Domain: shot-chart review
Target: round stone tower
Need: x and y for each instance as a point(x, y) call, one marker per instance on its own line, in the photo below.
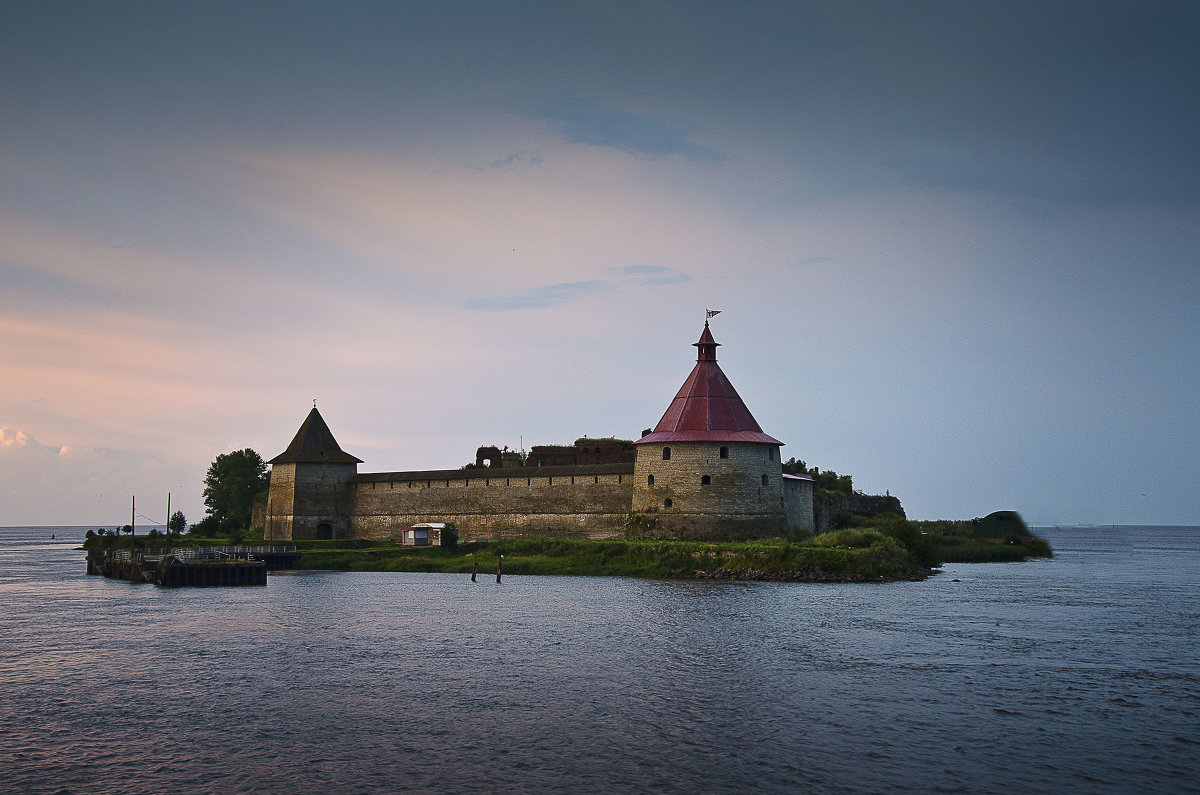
point(708, 471)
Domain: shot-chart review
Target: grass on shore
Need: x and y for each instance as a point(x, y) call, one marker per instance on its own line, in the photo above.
point(878, 548)
point(976, 541)
point(992, 550)
point(869, 557)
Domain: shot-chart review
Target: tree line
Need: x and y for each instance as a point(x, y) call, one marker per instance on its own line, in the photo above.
point(827, 481)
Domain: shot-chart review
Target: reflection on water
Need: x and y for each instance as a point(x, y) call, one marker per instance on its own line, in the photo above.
point(1077, 673)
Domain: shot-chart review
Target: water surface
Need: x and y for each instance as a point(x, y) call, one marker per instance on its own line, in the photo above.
point(1074, 674)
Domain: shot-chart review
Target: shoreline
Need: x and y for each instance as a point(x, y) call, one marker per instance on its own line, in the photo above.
point(897, 551)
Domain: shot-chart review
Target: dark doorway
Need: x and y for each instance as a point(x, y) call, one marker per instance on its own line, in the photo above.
point(324, 531)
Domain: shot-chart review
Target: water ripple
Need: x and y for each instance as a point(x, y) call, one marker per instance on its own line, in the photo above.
point(1036, 677)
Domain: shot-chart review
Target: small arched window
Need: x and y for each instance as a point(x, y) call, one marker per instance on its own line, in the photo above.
point(667, 502)
point(666, 454)
point(649, 480)
point(764, 480)
point(724, 452)
point(705, 480)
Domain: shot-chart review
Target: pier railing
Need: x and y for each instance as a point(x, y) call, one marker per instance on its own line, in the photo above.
point(199, 553)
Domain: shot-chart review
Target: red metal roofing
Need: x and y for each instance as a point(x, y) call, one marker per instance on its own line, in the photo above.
point(707, 408)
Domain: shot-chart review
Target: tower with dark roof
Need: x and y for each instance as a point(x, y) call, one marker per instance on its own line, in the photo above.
point(309, 495)
point(707, 470)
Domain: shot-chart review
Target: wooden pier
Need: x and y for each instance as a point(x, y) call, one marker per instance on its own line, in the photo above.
point(192, 566)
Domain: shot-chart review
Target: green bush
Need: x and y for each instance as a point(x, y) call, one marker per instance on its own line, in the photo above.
point(977, 541)
point(850, 538)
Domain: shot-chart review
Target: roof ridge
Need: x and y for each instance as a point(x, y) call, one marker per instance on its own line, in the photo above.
point(314, 442)
point(707, 407)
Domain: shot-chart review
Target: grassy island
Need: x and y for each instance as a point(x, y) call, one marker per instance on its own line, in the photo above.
point(877, 549)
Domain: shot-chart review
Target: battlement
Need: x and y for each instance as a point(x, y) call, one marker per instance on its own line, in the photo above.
point(585, 451)
point(706, 471)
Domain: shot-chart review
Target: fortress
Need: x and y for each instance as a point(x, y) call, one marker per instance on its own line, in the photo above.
point(706, 471)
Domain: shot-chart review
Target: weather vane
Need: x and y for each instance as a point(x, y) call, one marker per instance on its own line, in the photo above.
point(709, 313)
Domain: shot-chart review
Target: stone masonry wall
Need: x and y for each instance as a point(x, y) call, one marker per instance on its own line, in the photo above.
point(735, 502)
point(798, 498)
point(548, 502)
point(826, 507)
point(303, 496)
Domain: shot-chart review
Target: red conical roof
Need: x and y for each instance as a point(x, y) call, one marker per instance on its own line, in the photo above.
point(707, 407)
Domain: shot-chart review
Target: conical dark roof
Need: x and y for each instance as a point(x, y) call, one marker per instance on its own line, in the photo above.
point(707, 407)
point(314, 443)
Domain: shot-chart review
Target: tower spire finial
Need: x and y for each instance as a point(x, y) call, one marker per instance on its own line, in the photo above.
point(707, 346)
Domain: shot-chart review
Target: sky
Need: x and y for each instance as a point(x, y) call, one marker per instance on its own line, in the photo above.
point(955, 246)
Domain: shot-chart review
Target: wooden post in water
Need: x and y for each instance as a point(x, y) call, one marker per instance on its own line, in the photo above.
point(499, 566)
point(474, 571)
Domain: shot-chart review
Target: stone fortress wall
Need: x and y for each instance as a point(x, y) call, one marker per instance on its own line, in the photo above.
point(706, 471)
point(828, 507)
point(587, 501)
point(304, 498)
point(712, 490)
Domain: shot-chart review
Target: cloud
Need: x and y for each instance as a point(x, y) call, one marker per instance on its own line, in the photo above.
point(11, 438)
point(512, 161)
point(584, 121)
point(655, 274)
point(536, 298)
point(43, 484)
point(809, 261)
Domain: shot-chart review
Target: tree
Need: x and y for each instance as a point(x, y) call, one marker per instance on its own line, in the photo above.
point(827, 481)
point(229, 488)
point(177, 523)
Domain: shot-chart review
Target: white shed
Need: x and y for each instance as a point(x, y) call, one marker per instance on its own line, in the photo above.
point(429, 534)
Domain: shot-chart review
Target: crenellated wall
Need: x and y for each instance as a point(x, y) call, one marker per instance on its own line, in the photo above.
point(546, 502)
